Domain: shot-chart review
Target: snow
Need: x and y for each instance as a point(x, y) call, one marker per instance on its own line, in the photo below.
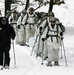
point(29, 65)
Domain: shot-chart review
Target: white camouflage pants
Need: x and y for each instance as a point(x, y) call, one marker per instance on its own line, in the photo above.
point(30, 32)
point(53, 54)
point(21, 36)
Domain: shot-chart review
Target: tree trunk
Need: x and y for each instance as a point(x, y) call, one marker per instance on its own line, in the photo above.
point(51, 5)
point(7, 6)
point(27, 4)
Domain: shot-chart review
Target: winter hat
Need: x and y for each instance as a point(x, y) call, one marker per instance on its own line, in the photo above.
point(31, 9)
point(3, 20)
point(51, 14)
point(52, 19)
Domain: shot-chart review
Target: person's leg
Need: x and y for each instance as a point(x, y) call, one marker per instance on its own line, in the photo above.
point(1, 58)
point(45, 52)
point(7, 55)
point(1, 55)
point(27, 34)
point(56, 57)
point(50, 55)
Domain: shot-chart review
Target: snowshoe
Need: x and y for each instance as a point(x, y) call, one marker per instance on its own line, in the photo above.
point(49, 64)
point(56, 63)
point(6, 67)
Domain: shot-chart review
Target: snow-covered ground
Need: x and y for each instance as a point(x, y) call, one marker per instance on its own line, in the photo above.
point(29, 65)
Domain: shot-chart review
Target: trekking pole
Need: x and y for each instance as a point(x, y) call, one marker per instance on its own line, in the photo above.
point(39, 41)
point(61, 49)
point(42, 53)
point(14, 54)
point(38, 46)
point(64, 53)
point(34, 45)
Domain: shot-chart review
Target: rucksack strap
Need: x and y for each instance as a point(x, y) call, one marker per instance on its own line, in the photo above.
point(51, 36)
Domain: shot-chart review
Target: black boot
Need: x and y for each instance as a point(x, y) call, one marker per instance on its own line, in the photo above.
point(56, 63)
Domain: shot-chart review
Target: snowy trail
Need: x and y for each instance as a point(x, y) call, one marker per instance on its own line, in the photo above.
point(29, 65)
point(23, 62)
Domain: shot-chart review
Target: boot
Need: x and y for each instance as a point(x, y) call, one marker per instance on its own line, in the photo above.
point(1, 67)
point(6, 66)
point(56, 63)
point(49, 64)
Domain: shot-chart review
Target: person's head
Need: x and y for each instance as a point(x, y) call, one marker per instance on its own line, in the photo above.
point(52, 20)
point(3, 20)
point(51, 14)
point(31, 10)
point(14, 13)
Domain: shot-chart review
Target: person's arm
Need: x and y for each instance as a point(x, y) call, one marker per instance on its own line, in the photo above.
point(12, 33)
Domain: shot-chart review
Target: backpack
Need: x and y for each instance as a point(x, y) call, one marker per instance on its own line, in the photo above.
point(62, 27)
point(36, 19)
point(47, 36)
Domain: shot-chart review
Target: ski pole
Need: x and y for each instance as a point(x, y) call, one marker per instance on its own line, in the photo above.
point(42, 53)
point(14, 55)
point(34, 45)
point(38, 46)
point(64, 53)
point(40, 32)
point(61, 48)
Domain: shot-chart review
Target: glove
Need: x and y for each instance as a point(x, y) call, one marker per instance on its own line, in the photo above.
point(61, 38)
point(43, 39)
point(18, 26)
point(61, 33)
point(40, 28)
point(11, 20)
point(26, 23)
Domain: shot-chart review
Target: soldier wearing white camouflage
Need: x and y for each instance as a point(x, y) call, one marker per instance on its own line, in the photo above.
point(13, 20)
point(30, 20)
point(21, 34)
point(52, 35)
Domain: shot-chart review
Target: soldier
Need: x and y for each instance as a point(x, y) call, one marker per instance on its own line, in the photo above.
point(43, 25)
point(21, 34)
point(30, 20)
point(52, 35)
point(6, 34)
point(13, 20)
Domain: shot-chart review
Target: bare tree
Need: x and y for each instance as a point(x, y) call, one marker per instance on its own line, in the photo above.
point(51, 5)
point(27, 4)
point(7, 5)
